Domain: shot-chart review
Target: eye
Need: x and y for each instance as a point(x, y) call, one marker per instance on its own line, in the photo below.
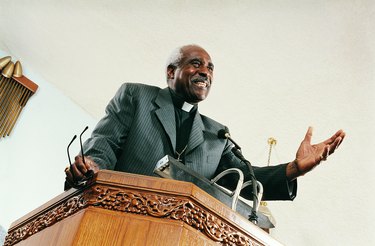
point(196, 63)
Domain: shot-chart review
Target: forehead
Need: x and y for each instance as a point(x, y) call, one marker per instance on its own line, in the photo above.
point(193, 52)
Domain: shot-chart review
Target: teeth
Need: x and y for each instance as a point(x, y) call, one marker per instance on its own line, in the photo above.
point(201, 84)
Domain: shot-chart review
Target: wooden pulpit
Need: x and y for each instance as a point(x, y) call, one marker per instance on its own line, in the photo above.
point(117, 208)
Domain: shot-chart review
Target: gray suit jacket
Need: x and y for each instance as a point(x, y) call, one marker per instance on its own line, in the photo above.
point(139, 128)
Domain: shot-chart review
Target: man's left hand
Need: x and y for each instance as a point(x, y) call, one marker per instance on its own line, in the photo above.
point(308, 156)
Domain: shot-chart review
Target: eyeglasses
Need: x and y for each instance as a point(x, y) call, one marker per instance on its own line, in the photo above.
point(90, 173)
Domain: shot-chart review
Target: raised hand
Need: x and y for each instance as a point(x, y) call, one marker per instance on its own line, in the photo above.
point(308, 156)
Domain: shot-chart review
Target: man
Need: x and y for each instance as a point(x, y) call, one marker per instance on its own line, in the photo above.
point(144, 123)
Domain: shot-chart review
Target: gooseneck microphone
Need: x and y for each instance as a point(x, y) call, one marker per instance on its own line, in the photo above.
point(224, 134)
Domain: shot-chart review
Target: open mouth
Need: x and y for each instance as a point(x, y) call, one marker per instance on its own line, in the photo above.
point(200, 83)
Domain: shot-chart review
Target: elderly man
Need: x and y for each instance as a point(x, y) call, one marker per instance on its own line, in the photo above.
point(144, 123)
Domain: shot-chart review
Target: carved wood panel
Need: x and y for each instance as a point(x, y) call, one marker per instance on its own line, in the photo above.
point(137, 202)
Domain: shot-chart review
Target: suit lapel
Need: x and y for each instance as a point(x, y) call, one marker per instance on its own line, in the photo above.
point(166, 115)
point(196, 134)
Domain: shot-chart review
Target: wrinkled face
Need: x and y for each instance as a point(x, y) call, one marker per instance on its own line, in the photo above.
point(192, 77)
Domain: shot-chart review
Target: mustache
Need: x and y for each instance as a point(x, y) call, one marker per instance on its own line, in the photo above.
point(200, 79)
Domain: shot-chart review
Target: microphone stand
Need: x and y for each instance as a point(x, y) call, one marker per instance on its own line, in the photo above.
point(237, 152)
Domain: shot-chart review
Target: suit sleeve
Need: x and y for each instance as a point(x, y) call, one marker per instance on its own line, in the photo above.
point(110, 133)
point(273, 178)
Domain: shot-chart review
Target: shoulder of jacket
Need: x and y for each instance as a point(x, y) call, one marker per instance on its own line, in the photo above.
point(212, 124)
point(131, 88)
point(130, 85)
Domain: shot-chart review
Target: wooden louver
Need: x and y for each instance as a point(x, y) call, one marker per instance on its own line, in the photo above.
point(15, 91)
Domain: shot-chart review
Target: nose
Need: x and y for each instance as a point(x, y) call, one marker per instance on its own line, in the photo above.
point(203, 71)
point(203, 74)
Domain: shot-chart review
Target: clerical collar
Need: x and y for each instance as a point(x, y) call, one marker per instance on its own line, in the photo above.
point(180, 103)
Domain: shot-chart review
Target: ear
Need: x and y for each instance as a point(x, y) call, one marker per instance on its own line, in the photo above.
point(170, 71)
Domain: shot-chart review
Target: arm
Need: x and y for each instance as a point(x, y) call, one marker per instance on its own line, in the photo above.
point(280, 181)
point(107, 139)
point(309, 156)
point(109, 135)
point(273, 178)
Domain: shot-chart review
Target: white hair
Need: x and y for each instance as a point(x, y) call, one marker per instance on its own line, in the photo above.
point(175, 57)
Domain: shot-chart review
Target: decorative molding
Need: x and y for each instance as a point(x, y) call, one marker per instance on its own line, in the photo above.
point(137, 202)
point(47, 219)
point(171, 207)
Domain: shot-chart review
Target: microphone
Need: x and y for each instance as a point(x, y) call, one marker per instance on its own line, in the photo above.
point(224, 134)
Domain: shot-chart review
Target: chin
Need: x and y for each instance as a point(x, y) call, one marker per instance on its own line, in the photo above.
point(199, 99)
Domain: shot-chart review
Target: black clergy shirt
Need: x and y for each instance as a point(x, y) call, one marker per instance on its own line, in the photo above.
point(184, 114)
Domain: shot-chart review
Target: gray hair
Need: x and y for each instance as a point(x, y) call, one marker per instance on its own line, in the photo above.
point(175, 57)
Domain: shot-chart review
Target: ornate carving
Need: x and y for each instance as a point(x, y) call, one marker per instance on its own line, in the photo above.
point(138, 202)
point(47, 219)
point(173, 208)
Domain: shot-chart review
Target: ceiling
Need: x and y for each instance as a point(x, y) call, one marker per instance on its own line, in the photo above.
point(88, 48)
point(279, 67)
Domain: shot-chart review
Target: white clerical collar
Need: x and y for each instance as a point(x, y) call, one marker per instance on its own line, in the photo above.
point(187, 107)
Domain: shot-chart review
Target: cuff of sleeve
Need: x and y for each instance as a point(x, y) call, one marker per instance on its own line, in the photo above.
point(292, 189)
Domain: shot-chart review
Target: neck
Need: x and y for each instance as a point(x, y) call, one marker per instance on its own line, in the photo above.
point(180, 101)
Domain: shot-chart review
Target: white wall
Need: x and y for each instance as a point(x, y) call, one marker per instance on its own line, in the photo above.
point(280, 66)
point(34, 156)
